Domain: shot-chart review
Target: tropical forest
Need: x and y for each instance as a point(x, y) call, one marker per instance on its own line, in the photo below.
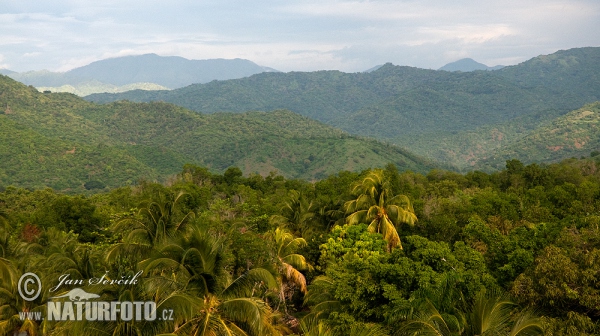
point(400, 201)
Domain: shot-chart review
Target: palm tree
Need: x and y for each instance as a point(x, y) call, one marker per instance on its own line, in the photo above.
point(235, 310)
point(321, 300)
point(193, 260)
point(490, 314)
point(193, 264)
point(375, 205)
point(425, 319)
point(311, 326)
point(65, 255)
point(156, 221)
point(297, 213)
point(290, 262)
point(11, 303)
point(178, 302)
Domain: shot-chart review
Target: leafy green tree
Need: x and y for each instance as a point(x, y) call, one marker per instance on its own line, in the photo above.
point(375, 206)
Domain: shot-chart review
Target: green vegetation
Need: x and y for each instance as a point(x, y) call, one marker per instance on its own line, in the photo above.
point(574, 134)
point(63, 142)
point(457, 118)
point(515, 252)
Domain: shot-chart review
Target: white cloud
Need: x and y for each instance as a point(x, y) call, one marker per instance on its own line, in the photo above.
point(331, 34)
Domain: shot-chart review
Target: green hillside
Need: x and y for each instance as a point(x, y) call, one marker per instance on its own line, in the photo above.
point(62, 141)
point(429, 112)
point(572, 135)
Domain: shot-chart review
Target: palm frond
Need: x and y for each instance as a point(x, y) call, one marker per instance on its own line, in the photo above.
point(528, 324)
point(490, 313)
point(249, 281)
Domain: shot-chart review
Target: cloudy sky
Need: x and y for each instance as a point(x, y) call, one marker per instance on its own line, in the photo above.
point(293, 35)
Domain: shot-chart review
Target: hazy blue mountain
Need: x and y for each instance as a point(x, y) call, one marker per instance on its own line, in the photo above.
point(6, 72)
point(468, 64)
point(171, 72)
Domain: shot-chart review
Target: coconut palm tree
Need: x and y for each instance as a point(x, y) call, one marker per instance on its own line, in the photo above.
point(236, 310)
point(320, 298)
point(491, 313)
point(297, 214)
point(155, 222)
point(312, 326)
point(11, 303)
point(193, 260)
point(376, 206)
point(290, 263)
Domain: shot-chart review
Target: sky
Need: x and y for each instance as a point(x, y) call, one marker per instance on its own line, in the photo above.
point(290, 35)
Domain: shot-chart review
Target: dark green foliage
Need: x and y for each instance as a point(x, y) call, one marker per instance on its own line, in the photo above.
point(94, 185)
point(73, 213)
point(528, 230)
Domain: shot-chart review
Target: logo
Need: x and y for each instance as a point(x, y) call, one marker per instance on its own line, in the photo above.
point(77, 294)
point(26, 285)
point(76, 304)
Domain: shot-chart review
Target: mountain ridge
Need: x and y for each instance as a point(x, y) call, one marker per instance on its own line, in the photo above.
point(167, 71)
point(61, 141)
point(403, 104)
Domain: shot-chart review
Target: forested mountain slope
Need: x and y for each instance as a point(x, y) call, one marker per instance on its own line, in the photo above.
point(62, 141)
point(572, 135)
point(408, 106)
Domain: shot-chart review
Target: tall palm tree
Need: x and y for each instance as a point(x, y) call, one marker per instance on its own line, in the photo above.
point(178, 302)
point(63, 254)
point(376, 206)
point(290, 263)
point(425, 319)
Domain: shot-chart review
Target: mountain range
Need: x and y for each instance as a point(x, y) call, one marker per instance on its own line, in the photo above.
point(458, 118)
point(148, 72)
point(61, 141)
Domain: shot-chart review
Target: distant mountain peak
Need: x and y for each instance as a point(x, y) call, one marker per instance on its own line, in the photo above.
point(6, 72)
point(468, 64)
point(165, 71)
